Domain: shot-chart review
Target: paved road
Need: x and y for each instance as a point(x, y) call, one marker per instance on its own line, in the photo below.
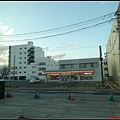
point(57, 105)
point(54, 85)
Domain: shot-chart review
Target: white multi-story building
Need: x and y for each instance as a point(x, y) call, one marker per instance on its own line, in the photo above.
point(27, 60)
point(46, 63)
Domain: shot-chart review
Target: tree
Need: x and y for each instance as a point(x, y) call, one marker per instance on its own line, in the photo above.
point(4, 71)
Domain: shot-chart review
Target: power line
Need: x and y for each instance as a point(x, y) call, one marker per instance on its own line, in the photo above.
point(62, 27)
point(70, 48)
point(63, 32)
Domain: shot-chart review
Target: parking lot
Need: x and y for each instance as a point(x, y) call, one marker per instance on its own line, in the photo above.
point(57, 105)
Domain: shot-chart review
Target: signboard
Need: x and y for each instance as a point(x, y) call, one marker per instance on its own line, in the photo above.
point(70, 72)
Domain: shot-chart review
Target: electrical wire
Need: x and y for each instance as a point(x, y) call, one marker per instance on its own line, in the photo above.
point(63, 32)
point(63, 26)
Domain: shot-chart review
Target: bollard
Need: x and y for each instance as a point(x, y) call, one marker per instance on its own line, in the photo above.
point(36, 95)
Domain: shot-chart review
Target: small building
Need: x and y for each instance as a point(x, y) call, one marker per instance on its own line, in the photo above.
point(88, 69)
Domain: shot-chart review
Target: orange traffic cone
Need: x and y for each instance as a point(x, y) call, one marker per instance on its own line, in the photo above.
point(106, 85)
point(72, 97)
point(112, 116)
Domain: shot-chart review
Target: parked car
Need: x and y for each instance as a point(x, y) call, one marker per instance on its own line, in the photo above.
point(34, 80)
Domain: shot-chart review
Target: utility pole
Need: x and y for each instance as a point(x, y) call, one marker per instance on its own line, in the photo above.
point(101, 59)
point(14, 68)
point(118, 15)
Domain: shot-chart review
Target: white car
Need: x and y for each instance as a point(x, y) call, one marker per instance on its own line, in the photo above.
point(34, 81)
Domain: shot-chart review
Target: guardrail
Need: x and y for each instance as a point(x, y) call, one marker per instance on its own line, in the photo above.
point(112, 85)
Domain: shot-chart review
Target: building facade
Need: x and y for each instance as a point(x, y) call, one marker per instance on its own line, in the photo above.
point(113, 49)
point(105, 70)
point(76, 70)
point(36, 69)
point(20, 57)
point(27, 60)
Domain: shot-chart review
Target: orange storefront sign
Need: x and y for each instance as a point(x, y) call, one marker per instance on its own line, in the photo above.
point(70, 72)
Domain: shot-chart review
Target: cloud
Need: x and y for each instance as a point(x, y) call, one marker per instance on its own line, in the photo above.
point(64, 46)
point(9, 32)
point(3, 61)
point(59, 56)
point(3, 54)
point(5, 30)
point(3, 47)
point(45, 48)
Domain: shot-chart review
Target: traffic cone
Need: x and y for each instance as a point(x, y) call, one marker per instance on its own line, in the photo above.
point(106, 85)
point(69, 96)
point(113, 116)
point(72, 97)
point(8, 94)
point(111, 97)
point(36, 95)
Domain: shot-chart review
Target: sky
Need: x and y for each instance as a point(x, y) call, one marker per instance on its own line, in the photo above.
point(63, 29)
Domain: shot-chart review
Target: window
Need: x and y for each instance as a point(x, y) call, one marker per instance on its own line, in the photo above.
point(73, 66)
point(15, 72)
point(42, 68)
point(25, 52)
point(95, 64)
point(105, 69)
point(42, 63)
point(20, 53)
point(20, 62)
point(106, 75)
point(24, 71)
point(92, 64)
point(39, 74)
point(62, 66)
point(19, 72)
point(25, 48)
point(105, 63)
point(86, 77)
point(24, 62)
point(24, 57)
point(82, 65)
point(20, 48)
point(24, 67)
point(20, 67)
point(20, 57)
